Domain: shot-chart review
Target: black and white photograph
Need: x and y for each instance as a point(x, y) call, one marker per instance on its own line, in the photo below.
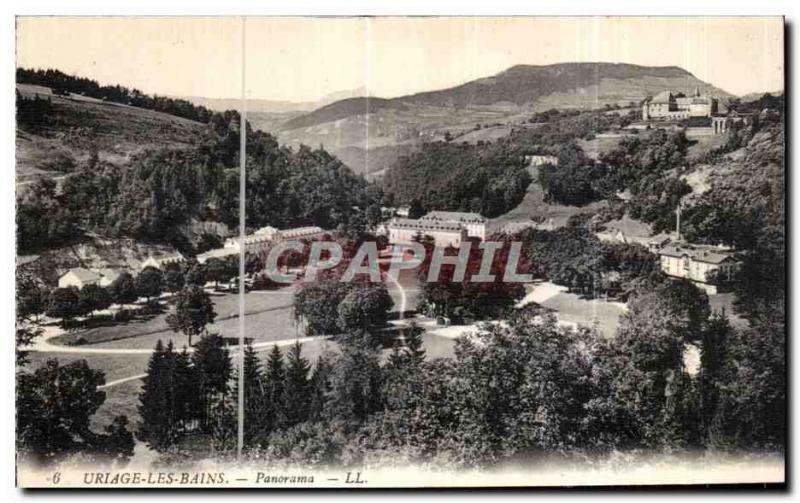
point(364, 252)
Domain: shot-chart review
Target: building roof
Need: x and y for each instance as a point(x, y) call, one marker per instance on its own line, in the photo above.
point(662, 97)
point(454, 216)
point(110, 274)
point(699, 253)
point(300, 232)
point(166, 256)
point(215, 253)
point(425, 225)
point(82, 274)
point(268, 229)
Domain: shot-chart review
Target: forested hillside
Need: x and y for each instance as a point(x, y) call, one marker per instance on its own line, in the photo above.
point(443, 176)
point(156, 196)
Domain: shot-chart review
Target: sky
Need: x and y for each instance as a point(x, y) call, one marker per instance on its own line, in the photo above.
point(305, 59)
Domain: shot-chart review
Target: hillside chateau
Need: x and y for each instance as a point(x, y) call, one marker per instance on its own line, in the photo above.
point(668, 106)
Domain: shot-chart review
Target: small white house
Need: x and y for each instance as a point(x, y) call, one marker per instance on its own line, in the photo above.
point(162, 261)
point(79, 277)
point(108, 276)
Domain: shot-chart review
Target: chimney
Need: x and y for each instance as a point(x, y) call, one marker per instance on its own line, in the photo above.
point(678, 223)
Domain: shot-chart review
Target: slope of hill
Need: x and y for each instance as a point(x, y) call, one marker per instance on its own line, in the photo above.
point(565, 84)
point(499, 103)
point(75, 126)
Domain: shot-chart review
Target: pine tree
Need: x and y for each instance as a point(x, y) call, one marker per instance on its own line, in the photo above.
point(296, 397)
point(254, 402)
point(274, 386)
point(158, 425)
point(186, 391)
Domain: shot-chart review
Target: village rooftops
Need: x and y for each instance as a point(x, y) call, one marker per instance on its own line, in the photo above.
point(426, 225)
point(454, 216)
point(700, 253)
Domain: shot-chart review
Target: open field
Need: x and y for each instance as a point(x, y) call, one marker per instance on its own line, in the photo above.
point(145, 332)
point(575, 309)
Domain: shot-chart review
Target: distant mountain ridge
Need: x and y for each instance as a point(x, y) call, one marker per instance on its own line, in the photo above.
point(571, 84)
point(274, 106)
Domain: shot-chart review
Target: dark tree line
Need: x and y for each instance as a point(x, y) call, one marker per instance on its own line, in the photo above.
point(63, 84)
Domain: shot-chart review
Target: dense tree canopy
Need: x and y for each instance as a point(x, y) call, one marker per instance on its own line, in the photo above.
point(54, 407)
point(460, 177)
point(157, 196)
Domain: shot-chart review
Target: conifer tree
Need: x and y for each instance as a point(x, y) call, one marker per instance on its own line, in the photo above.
point(158, 425)
point(274, 386)
point(254, 395)
point(296, 396)
point(396, 357)
point(186, 391)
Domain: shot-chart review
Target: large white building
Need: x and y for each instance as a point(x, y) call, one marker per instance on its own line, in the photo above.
point(161, 261)
point(262, 240)
point(698, 263)
point(447, 228)
point(79, 277)
point(668, 106)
